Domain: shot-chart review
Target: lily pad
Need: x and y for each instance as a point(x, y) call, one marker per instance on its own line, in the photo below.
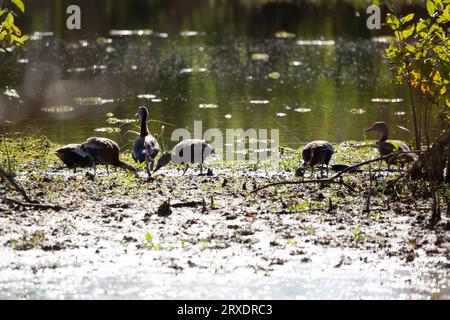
point(11, 93)
point(274, 75)
point(208, 106)
point(385, 100)
point(302, 110)
point(260, 57)
point(285, 35)
point(91, 101)
point(108, 130)
point(125, 33)
point(259, 102)
point(57, 109)
point(358, 111)
point(316, 42)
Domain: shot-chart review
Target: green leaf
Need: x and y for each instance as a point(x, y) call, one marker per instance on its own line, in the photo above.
point(430, 7)
point(408, 32)
point(408, 18)
point(19, 4)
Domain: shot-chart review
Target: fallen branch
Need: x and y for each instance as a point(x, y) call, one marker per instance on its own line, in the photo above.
point(332, 180)
point(32, 205)
point(15, 185)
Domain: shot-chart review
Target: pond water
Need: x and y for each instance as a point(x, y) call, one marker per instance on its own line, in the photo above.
point(313, 72)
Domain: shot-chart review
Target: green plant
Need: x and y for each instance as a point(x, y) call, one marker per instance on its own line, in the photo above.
point(151, 245)
point(358, 235)
point(10, 34)
point(420, 58)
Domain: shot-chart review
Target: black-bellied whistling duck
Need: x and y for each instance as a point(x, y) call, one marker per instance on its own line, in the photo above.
point(315, 153)
point(386, 147)
point(146, 147)
point(73, 157)
point(186, 152)
point(106, 152)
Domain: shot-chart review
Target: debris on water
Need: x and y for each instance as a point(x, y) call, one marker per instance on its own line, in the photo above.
point(22, 61)
point(39, 35)
point(281, 114)
point(193, 70)
point(383, 39)
point(302, 110)
point(400, 113)
point(384, 100)
point(259, 102)
point(146, 96)
point(76, 70)
point(285, 35)
point(358, 111)
point(126, 33)
point(316, 42)
point(274, 75)
point(92, 101)
point(296, 63)
point(110, 115)
point(11, 93)
point(228, 116)
point(110, 49)
point(156, 100)
point(104, 41)
point(57, 109)
point(208, 106)
point(108, 130)
point(190, 33)
point(112, 120)
point(260, 57)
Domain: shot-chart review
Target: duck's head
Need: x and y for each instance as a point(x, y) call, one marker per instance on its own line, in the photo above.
point(141, 112)
point(379, 126)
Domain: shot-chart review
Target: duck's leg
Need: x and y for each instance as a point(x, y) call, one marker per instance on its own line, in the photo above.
point(147, 166)
point(201, 169)
point(107, 169)
point(185, 169)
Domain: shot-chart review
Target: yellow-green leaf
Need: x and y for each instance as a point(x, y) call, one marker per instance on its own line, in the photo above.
point(19, 4)
point(430, 7)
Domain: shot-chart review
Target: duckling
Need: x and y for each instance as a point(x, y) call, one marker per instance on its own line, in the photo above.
point(146, 147)
point(186, 152)
point(106, 152)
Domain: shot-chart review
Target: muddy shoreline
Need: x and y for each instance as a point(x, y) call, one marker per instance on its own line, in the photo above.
point(116, 236)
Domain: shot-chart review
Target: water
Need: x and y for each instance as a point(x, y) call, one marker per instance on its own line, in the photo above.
point(324, 77)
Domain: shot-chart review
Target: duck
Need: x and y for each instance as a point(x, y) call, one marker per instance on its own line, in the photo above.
point(187, 152)
point(146, 147)
point(73, 157)
point(387, 147)
point(314, 154)
point(106, 152)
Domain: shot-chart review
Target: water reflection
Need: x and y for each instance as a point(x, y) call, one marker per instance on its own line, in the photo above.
point(314, 74)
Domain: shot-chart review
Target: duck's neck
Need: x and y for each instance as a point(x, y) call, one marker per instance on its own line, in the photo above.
point(144, 128)
point(385, 135)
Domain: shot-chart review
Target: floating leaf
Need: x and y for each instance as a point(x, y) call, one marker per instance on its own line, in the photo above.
point(92, 101)
point(358, 111)
point(190, 33)
point(274, 75)
point(259, 102)
point(284, 35)
point(57, 109)
point(302, 110)
point(384, 100)
point(208, 106)
point(316, 42)
point(260, 57)
point(108, 130)
point(125, 33)
point(11, 93)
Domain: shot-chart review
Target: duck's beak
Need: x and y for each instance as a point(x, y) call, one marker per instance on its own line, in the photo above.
point(369, 129)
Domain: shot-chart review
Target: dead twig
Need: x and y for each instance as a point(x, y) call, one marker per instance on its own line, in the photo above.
point(32, 205)
point(333, 179)
point(15, 185)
